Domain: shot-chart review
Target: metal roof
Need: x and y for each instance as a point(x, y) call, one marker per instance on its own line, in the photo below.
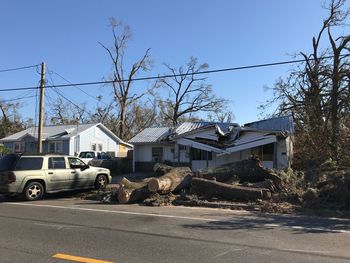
point(149, 135)
point(50, 132)
point(283, 123)
point(190, 126)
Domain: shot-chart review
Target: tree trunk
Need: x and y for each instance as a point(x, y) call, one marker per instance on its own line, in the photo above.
point(161, 169)
point(122, 121)
point(210, 188)
point(249, 170)
point(132, 192)
point(175, 180)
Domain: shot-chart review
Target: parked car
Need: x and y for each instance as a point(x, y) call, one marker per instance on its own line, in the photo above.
point(87, 156)
point(34, 175)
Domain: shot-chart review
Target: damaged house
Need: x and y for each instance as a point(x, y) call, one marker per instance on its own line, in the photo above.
point(209, 144)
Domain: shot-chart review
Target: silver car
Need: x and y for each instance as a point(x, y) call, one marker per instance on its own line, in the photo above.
point(35, 175)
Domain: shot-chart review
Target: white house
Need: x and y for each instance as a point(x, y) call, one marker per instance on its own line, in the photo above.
point(68, 139)
point(207, 144)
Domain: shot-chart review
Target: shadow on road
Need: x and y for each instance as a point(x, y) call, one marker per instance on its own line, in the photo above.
point(295, 224)
point(66, 194)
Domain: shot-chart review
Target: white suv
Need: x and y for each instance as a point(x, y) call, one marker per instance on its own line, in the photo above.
point(37, 174)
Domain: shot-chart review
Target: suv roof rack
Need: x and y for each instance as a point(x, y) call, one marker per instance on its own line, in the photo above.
point(40, 154)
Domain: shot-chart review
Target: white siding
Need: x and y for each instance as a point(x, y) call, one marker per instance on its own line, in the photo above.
point(71, 146)
point(98, 136)
point(233, 157)
point(143, 153)
point(284, 153)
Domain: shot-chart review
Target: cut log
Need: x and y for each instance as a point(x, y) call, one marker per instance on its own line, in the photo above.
point(249, 170)
point(209, 189)
point(161, 169)
point(132, 192)
point(175, 180)
point(267, 184)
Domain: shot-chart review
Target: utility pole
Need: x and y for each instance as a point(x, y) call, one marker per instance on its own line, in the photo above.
point(41, 108)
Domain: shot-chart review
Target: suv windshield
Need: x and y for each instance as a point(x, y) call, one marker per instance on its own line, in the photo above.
point(8, 162)
point(87, 155)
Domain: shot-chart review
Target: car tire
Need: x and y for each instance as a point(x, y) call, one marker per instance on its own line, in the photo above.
point(34, 191)
point(101, 182)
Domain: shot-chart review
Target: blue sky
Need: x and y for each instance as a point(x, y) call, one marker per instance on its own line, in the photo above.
point(65, 35)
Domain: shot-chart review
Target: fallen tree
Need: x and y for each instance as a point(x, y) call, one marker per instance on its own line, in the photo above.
point(250, 170)
point(211, 188)
point(132, 192)
point(173, 181)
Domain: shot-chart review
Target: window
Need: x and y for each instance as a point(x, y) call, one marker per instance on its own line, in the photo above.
point(198, 155)
point(93, 147)
point(87, 155)
point(264, 152)
point(157, 154)
point(56, 147)
point(29, 163)
point(100, 147)
point(8, 162)
point(105, 156)
point(57, 163)
point(19, 147)
point(182, 147)
point(75, 163)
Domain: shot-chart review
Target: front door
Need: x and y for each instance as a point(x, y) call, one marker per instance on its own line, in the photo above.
point(80, 176)
point(57, 174)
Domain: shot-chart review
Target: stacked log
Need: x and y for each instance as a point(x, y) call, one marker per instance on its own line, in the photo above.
point(245, 180)
point(176, 179)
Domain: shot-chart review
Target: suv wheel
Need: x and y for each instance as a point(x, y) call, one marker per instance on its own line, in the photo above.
point(34, 191)
point(101, 182)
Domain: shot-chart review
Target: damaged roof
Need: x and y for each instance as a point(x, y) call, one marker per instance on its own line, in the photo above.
point(152, 135)
point(190, 126)
point(283, 124)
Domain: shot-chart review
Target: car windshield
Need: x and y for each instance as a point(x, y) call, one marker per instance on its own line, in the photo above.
point(8, 162)
point(87, 155)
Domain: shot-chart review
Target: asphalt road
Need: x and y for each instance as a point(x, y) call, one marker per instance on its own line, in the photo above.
point(37, 231)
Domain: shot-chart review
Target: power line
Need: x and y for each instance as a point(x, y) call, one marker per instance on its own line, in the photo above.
point(19, 68)
point(63, 96)
point(173, 75)
point(20, 98)
point(91, 96)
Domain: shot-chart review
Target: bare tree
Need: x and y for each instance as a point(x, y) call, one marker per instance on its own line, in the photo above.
point(10, 121)
point(64, 112)
point(222, 115)
point(141, 115)
point(188, 94)
point(122, 78)
point(317, 92)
